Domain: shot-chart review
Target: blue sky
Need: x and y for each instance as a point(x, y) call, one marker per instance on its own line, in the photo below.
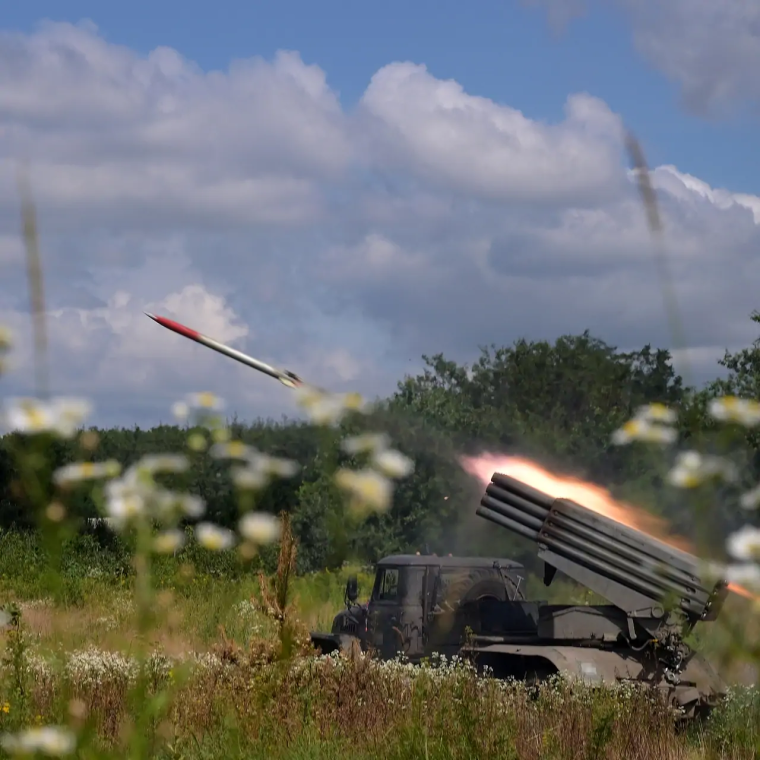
point(504, 50)
point(414, 178)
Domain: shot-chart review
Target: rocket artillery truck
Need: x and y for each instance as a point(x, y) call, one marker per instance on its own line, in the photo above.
point(474, 607)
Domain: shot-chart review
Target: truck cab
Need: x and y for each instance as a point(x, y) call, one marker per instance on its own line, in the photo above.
point(421, 604)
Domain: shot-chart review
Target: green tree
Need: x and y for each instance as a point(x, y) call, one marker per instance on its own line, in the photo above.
point(555, 402)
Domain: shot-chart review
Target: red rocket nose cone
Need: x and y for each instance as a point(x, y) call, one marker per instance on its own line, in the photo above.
point(177, 327)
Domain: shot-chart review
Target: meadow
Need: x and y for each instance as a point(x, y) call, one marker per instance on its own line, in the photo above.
point(215, 657)
point(187, 637)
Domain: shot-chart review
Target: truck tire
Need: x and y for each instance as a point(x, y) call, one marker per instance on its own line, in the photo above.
point(487, 588)
point(471, 584)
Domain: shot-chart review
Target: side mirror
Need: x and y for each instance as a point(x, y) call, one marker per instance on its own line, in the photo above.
point(352, 589)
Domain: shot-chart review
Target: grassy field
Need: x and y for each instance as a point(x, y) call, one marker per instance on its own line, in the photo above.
point(215, 647)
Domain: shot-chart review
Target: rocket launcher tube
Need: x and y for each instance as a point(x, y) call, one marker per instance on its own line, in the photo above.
point(569, 549)
point(500, 496)
point(628, 542)
point(621, 563)
point(624, 536)
point(575, 535)
point(506, 522)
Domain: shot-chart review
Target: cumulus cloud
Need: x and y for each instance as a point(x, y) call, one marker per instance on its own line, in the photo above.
point(340, 245)
point(118, 138)
point(475, 146)
point(487, 278)
point(709, 48)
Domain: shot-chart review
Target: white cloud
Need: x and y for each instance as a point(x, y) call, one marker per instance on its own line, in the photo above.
point(341, 246)
point(473, 145)
point(134, 369)
point(116, 134)
point(690, 189)
point(709, 48)
point(486, 279)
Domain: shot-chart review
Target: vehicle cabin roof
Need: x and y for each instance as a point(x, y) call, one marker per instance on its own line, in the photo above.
point(427, 560)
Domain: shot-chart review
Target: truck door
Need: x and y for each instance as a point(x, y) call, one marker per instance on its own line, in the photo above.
point(438, 617)
point(411, 620)
point(396, 612)
point(384, 613)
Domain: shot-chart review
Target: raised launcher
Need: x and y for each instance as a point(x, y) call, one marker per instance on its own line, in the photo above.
point(655, 590)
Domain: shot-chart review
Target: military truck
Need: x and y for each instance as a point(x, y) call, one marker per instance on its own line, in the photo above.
point(475, 608)
point(420, 604)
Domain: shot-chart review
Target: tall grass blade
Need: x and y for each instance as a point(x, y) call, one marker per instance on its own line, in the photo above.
point(36, 289)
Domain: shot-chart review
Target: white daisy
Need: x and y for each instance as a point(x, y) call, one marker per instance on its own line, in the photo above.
point(260, 528)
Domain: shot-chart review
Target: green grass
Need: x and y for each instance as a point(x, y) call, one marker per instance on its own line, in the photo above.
point(248, 703)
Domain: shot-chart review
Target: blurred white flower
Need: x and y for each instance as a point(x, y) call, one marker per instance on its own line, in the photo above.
point(192, 506)
point(275, 466)
point(155, 463)
point(53, 741)
point(205, 401)
point(6, 339)
point(733, 409)
point(168, 542)
point(173, 504)
point(28, 415)
point(745, 543)
point(61, 416)
point(219, 431)
point(325, 408)
point(692, 469)
point(180, 410)
point(744, 574)
point(658, 413)
point(750, 499)
point(70, 413)
point(367, 486)
point(260, 469)
point(213, 537)
point(354, 402)
point(125, 502)
point(322, 409)
point(232, 450)
point(249, 478)
point(196, 442)
point(393, 463)
point(260, 528)
point(365, 443)
point(681, 477)
point(644, 431)
point(80, 471)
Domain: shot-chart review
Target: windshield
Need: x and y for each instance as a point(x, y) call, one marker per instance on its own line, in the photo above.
point(386, 585)
point(403, 585)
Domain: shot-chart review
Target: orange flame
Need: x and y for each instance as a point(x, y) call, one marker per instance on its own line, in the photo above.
point(591, 496)
point(737, 589)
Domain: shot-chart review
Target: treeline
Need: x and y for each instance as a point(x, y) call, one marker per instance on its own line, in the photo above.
point(557, 403)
